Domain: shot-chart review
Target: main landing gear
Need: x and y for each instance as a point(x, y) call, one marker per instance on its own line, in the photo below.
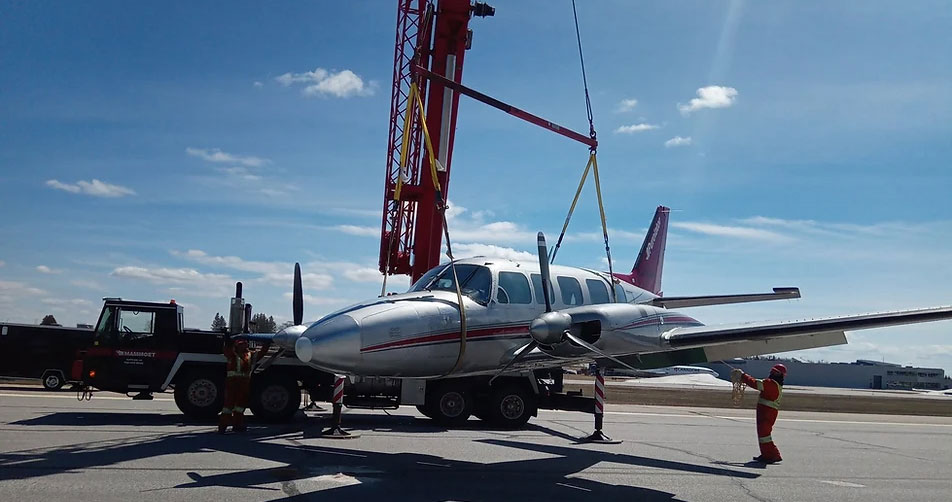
point(507, 404)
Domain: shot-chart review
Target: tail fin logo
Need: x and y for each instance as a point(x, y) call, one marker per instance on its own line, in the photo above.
point(651, 242)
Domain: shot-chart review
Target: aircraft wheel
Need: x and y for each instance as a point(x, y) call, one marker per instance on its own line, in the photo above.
point(200, 393)
point(53, 380)
point(275, 397)
point(451, 404)
point(511, 406)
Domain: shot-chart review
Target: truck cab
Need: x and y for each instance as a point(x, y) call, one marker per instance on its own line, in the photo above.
point(136, 344)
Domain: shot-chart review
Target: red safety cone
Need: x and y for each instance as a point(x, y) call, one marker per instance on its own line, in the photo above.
point(335, 431)
point(598, 436)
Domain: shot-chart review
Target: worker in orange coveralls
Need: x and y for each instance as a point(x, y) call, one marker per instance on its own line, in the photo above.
point(768, 406)
point(239, 361)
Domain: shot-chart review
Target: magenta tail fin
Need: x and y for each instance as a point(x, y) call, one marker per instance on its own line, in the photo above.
point(646, 274)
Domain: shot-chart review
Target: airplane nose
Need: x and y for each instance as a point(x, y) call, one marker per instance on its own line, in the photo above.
point(333, 345)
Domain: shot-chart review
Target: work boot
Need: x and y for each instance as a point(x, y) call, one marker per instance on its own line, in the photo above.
point(764, 460)
point(239, 423)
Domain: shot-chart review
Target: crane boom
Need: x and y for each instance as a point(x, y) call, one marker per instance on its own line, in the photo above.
point(435, 38)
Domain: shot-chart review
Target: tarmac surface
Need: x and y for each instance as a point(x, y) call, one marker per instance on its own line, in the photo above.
point(53, 447)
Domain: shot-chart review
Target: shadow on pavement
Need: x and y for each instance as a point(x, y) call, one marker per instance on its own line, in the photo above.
point(325, 468)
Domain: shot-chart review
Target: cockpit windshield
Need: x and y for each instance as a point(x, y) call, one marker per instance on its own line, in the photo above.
point(475, 281)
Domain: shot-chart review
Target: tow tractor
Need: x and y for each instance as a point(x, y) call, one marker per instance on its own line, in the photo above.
point(140, 348)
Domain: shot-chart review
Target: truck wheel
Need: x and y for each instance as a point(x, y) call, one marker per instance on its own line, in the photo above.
point(511, 406)
point(53, 380)
point(450, 404)
point(275, 398)
point(200, 394)
point(426, 411)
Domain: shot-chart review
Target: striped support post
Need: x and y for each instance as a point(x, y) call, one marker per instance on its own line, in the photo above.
point(335, 431)
point(598, 436)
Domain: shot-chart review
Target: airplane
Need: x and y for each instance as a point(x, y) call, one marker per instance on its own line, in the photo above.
point(513, 323)
point(489, 346)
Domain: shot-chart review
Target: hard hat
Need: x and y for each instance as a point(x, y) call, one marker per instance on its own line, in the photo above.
point(779, 368)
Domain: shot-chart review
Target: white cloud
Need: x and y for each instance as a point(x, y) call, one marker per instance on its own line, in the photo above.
point(464, 250)
point(712, 96)
point(258, 84)
point(321, 82)
point(217, 156)
point(94, 187)
point(363, 231)
point(363, 274)
point(234, 262)
point(320, 300)
point(47, 270)
point(239, 172)
point(2, 263)
point(18, 288)
point(165, 275)
point(677, 141)
point(626, 105)
point(93, 285)
point(731, 231)
point(75, 302)
point(631, 129)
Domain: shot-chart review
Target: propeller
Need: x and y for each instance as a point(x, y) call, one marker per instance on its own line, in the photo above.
point(550, 328)
point(297, 302)
point(297, 308)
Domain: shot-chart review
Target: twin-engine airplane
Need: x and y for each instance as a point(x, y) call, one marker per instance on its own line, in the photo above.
point(525, 315)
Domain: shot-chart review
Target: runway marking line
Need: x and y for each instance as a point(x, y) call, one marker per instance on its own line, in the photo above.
point(845, 484)
point(575, 487)
point(729, 417)
point(110, 398)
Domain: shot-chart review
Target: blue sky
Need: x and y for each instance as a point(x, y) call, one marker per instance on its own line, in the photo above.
point(166, 150)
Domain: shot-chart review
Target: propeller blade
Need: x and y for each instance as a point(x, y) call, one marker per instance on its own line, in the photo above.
point(591, 347)
point(544, 269)
point(268, 360)
point(298, 299)
point(525, 349)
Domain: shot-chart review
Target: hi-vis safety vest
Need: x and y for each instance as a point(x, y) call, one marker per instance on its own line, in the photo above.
point(239, 366)
point(761, 385)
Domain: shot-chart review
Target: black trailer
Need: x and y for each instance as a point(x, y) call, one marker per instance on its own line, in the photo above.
point(44, 352)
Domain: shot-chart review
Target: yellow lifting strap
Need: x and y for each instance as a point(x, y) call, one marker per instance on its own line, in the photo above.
point(593, 166)
point(414, 98)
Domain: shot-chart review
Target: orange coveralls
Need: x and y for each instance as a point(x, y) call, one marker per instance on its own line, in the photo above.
point(237, 385)
point(768, 406)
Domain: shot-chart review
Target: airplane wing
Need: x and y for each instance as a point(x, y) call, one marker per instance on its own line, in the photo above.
point(673, 302)
point(700, 336)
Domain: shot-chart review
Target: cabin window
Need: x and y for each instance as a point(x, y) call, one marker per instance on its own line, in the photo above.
point(513, 288)
point(537, 287)
point(597, 291)
point(571, 290)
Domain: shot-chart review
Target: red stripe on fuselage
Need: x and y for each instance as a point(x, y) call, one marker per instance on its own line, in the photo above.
point(450, 336)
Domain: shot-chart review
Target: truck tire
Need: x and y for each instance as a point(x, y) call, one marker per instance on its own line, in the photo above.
point(450, 403)
point(53, 379)
point(200, 393)
point(275, 397)
point(510, 406)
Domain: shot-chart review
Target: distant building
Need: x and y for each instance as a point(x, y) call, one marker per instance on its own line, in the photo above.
point(861, 374)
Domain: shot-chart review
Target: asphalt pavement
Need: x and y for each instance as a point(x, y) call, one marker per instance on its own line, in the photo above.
point(53, 447)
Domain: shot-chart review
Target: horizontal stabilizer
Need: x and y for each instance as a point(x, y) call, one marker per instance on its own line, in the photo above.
point(674, 302)
point(701, 336)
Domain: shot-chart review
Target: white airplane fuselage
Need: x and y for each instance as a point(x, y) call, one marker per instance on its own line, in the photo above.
point(417, 334)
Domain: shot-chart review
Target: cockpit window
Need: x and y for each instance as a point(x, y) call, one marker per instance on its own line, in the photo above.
point(475, 281)
point(424, 281)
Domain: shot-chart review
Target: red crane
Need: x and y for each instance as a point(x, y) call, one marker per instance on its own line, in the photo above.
point(411, 232)
point(430, 57)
